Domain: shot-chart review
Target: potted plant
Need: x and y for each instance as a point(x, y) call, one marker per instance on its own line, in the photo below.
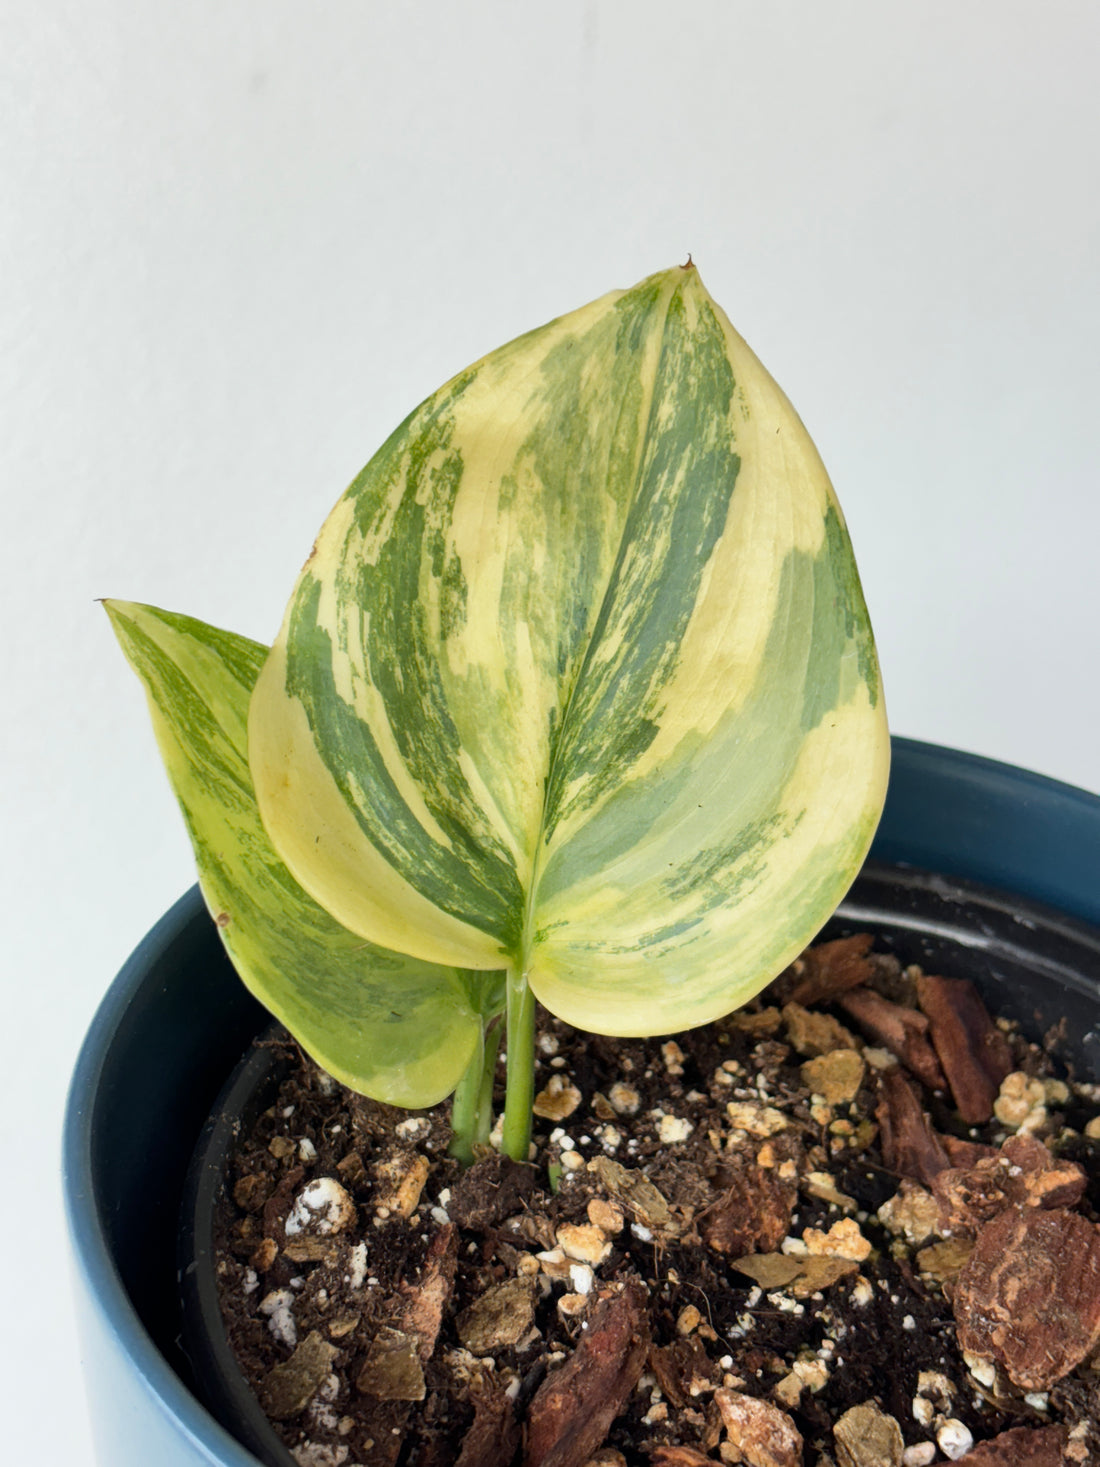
point(575, 700)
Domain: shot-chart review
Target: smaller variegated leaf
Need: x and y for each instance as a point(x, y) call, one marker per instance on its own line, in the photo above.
point(393, 1027)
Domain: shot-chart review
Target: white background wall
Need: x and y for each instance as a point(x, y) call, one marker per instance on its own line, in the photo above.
point(239, 239)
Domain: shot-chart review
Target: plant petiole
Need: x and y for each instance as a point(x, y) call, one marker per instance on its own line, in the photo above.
point(472, 1107)
point(520, 1091)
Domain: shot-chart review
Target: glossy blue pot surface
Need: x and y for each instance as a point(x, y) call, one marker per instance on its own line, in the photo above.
point(177, 1019)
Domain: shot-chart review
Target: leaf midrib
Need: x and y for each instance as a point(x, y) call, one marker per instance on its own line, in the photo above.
point(528, 934)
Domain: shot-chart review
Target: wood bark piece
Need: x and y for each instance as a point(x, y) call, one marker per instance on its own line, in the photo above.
point(966, 1153)
point(753, 1215)
point(1022, 1173)
point(574, 1407)
point(763, 1434)
point(1023, 1446)
point(423, 1303)
point(401, 1175)
point(278, 1205)
point(680, 1457)
point(682, 1365)
point(1029, 1296)
point(910, 1147)
point(493, 1437)
point(972, 1051)
point(393, 1373)
point(833, 967)
point(902, 1031)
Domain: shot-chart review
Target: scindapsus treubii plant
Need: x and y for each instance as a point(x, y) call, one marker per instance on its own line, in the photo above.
point(575, 700)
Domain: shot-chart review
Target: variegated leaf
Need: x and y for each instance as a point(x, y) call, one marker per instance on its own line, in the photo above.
point(389, 1025)
point(579, 675)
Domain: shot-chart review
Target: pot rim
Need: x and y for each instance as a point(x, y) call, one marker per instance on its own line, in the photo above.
point(93, 1255)
point(995, 847)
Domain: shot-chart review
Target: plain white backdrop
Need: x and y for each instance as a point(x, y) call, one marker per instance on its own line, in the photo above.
point(240, 239)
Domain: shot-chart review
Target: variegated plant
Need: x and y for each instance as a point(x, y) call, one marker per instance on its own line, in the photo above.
point(575, 700)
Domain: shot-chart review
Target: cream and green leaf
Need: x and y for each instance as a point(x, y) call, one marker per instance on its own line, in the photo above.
point(387, 1024)
point(578, 683)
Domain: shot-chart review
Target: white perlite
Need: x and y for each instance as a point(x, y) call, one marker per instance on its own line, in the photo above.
point(624, 1098)
point(581, 1277)
point(984, 1371)
point(583, 1243)
point(413, 1129)
point(322, 1207)
point(922, 1454)
point(954, 1439)
point(279, 1308)
point(674, 1129)
point(358, 1266)
point(318, 1454)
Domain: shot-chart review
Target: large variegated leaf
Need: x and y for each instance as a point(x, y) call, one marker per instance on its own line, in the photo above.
point(387, 1024)
point(579, 675)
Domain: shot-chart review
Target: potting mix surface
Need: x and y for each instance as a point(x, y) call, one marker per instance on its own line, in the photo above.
point(852, 1225)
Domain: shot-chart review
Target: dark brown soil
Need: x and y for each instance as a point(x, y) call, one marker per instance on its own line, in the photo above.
point(756, 1242)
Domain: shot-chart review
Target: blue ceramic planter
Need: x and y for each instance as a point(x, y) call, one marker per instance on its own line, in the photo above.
point(177, 1019)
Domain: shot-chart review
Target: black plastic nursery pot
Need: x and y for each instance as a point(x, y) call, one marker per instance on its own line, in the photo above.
point(979, 870)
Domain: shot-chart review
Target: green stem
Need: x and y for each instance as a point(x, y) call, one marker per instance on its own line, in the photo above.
point(472, 1107)
point(494, 1033)
point(520, 1092)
